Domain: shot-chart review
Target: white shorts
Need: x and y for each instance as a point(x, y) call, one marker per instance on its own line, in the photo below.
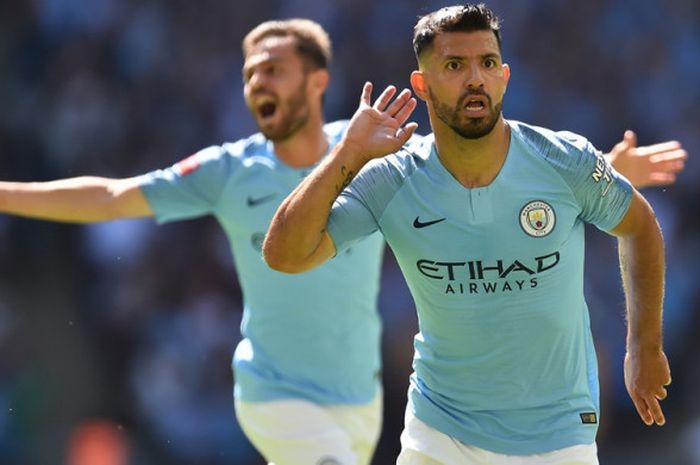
point(299, 432)
point(423, 445)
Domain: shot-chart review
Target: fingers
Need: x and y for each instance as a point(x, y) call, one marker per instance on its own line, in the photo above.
point(649, 411)
point(630, 138)
point(657, 414)
point(642, 410)
point(405, 133)
point(668, 146)
point(669, 167)
point(385, 98)
point(649, 408)
point(366, 96)
point(673, 161)
point(398, 104)
point(405, 111)
point(400, 109)
point(646, 378)
point(662, 394)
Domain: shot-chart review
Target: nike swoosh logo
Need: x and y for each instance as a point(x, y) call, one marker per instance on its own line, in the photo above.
point(254, 202)
point(417, 223)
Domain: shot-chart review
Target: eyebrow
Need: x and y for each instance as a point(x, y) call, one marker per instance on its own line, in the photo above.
point(263, 61)
point(462, 57)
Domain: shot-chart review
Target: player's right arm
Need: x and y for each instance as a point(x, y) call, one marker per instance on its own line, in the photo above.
point(642, 264)
point(297, 240)
point(85, 199)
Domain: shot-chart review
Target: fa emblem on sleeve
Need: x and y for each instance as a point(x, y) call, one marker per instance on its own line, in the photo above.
point(537, 218)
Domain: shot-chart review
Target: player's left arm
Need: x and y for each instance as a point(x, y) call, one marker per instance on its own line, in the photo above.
point(642, 264)
point(647, 166)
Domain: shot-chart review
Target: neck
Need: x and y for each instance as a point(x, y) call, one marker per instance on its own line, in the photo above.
point(472, 162)
point(306, 147)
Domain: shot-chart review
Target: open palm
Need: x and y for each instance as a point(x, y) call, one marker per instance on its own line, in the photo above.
point(648, 166)
point(380, 129)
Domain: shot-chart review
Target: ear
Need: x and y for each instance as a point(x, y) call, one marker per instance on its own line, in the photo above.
point(420, 88)
point(318, 80)
point(506, 73)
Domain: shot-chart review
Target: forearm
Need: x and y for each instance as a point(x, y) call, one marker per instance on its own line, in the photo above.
point(642, 264)
point(74, 200)
point(299, 226)
point(297, 239)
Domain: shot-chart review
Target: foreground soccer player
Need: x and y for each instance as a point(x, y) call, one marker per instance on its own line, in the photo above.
point(309, 352)
point(486, 219)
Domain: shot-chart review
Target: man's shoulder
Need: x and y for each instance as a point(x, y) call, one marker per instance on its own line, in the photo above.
point(250, 152)
point(255, 144)
point(569, 154)
point(336, 129)
point(405, 162)
point(549, 141)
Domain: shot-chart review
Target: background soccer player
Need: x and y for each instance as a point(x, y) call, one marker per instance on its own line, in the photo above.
point(307, 384)
point(486, 220)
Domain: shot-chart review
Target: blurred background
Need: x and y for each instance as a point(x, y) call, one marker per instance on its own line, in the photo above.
point(116, 339)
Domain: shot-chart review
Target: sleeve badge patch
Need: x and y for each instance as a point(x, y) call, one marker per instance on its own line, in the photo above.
point(188, 165)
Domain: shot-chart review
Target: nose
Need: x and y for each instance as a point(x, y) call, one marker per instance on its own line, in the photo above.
point(256, 81)
point(474, 77)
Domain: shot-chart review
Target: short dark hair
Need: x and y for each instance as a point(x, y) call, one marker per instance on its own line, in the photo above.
point(458, 18)
point(313, 42)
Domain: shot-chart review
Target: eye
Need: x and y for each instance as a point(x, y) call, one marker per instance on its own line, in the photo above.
point(453, 65)
point(490, 63)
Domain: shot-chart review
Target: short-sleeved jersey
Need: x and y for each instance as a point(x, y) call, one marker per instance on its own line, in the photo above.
point(504, 358)
point(314, 336)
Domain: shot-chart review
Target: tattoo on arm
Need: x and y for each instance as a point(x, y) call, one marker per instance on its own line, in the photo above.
point(347, 178)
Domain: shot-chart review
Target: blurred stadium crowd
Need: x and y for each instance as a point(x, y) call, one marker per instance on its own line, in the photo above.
point(116, 339)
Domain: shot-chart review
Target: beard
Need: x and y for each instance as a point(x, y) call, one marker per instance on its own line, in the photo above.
point(294, 115)
point(468, 128)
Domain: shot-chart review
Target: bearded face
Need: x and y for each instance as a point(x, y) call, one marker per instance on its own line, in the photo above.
point(280, 117)
point(472, 117)
point(464, 80)
point(275, 89)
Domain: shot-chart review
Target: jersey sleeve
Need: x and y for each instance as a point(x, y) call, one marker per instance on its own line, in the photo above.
point(603, 194)
point(357, 211)
point(191, 188)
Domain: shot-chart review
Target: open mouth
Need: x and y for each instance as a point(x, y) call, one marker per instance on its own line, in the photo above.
point(266, 107)
point(476, 104)
point(267, 110)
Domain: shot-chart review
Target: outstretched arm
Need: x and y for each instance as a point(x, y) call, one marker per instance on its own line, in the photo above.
point(649, 166)
point(641, 251)
point(297, 239)
point(75, 200)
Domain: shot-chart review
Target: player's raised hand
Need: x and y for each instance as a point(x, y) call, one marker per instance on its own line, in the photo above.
point(648, 166)
point(380, 128)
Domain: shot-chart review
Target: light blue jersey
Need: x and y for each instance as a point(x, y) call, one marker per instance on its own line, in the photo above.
point(314, 336)
point(504, 359)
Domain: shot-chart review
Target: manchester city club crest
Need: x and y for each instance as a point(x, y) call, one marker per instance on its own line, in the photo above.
point(537, 218)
